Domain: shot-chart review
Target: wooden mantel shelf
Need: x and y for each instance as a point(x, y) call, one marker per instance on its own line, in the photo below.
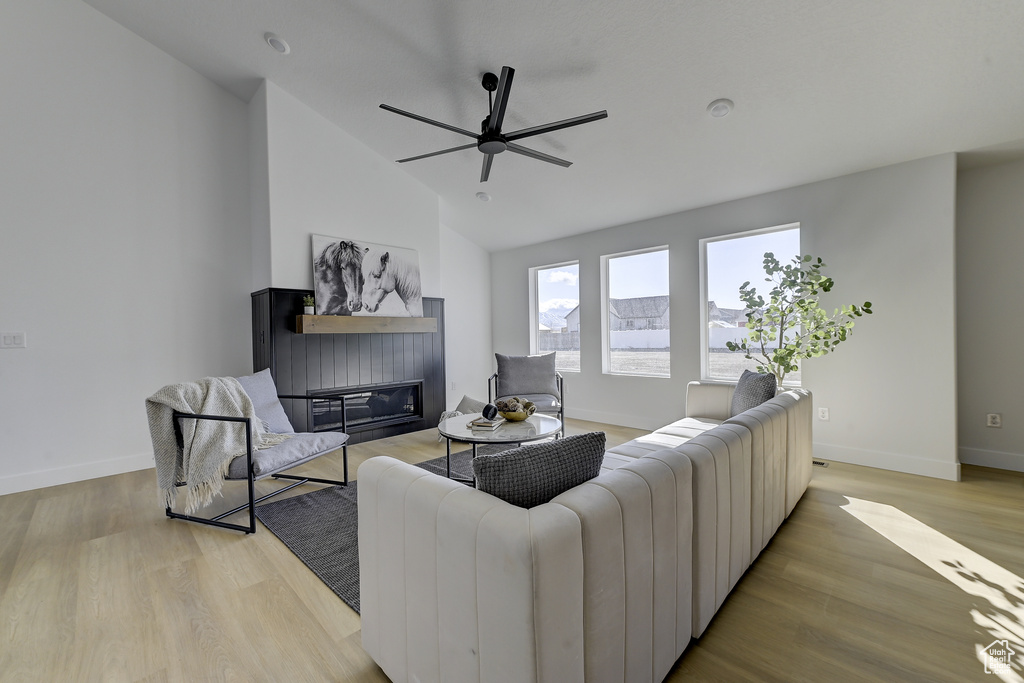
point(346, 324)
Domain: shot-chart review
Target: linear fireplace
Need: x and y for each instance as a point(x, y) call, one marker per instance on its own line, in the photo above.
point(367, 407)
point(307, 364)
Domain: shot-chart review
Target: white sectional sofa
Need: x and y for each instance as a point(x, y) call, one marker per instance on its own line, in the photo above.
point(606, 582)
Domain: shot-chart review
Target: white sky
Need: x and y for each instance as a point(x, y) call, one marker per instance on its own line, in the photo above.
point(558, 287)
point(638, 275)
point(733, 262)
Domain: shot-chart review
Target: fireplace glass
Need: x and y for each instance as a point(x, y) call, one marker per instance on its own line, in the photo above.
point(368, 407)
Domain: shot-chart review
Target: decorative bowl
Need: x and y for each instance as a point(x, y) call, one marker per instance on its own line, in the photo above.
point(515, 417)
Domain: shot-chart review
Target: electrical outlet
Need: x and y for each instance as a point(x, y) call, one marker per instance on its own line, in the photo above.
point(12, 340)
point(823, 414)
point(994, 420)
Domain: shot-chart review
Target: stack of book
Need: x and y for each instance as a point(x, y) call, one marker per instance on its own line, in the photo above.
point(483, 424)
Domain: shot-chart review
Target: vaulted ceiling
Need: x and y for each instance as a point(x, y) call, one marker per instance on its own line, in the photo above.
point(821, 89)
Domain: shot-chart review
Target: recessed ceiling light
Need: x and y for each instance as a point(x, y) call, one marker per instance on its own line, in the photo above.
point(277, 43)
point(483, 196)
point(720, 108)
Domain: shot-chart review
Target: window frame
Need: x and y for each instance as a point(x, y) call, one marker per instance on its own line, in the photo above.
point(705, 361)
point(605, 317)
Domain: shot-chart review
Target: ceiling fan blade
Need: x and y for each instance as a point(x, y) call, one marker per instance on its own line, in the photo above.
point(557, 125)
point(534, 154)
point(500, 99)
point(485, 172)
point(424, 119)
point(434, 154)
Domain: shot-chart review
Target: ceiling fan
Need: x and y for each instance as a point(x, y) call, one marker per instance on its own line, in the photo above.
point(491, 140)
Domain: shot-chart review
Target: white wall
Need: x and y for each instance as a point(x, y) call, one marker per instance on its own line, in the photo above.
point(887, 236)
point(466, 283)
point(259, 189)
point(124, 239)
point(990, 280)
point(323, 181)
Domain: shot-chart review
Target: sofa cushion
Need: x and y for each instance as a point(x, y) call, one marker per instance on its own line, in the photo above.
point(263, 393)
point(293, 451)
point(752, 389)
point(534, 474)
point(519, 375)
point(669, 436)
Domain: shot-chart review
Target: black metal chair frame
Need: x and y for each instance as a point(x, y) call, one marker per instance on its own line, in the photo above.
point(251, 478)
point(492, 394)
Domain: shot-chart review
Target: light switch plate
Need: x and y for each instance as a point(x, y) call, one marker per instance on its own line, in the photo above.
point(12, 340)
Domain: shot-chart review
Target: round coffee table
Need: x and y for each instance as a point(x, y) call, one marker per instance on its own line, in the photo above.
point(533, 428)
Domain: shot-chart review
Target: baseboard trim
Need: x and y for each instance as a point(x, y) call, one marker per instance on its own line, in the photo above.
point(998, 459)
point(80, 472)
point(618, 419)
point(897, 462)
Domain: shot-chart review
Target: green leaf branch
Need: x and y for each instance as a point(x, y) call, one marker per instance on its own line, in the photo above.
point(791, 325)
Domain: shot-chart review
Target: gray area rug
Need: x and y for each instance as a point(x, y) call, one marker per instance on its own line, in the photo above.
point(320, 527)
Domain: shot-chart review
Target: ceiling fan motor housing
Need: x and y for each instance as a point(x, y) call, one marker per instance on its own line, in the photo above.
point(490, 143)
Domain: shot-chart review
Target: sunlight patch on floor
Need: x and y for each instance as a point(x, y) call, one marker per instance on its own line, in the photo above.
point(1002, 619)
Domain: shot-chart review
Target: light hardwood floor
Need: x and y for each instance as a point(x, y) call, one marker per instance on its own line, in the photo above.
point(97, 585)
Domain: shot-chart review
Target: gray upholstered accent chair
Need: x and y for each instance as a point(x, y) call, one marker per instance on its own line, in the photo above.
point(533, 378)
point(298, 449)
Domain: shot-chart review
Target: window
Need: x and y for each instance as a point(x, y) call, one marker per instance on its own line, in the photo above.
point(726, 263)
point(635, 318)
point(555, 313)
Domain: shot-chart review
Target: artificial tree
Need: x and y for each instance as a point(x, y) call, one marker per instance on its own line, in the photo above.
point(791, 325)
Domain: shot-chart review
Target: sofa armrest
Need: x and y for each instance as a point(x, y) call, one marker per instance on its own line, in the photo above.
point(709, 399)
point(484, 585)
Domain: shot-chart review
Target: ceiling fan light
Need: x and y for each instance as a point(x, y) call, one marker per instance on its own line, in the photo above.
point(277, 43)
point(720, 108)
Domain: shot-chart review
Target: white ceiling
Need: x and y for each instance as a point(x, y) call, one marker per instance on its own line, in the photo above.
point(822, 88)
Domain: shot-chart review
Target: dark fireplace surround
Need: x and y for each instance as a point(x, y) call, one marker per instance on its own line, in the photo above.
point(386, 383)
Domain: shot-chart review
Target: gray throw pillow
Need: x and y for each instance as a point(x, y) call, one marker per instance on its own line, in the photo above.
point(752, 389)
point(534, 474)
point(526, 375)
point(263, 393)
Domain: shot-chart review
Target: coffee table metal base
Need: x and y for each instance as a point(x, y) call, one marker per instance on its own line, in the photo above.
point(457, 428)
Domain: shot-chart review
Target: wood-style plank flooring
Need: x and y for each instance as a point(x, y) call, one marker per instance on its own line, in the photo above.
point(97, 585)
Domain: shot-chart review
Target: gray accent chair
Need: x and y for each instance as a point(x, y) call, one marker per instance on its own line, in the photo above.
point(533, 378)
point(255, 465)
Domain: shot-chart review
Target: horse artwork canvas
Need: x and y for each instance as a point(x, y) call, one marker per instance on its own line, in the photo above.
point(353, 277)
